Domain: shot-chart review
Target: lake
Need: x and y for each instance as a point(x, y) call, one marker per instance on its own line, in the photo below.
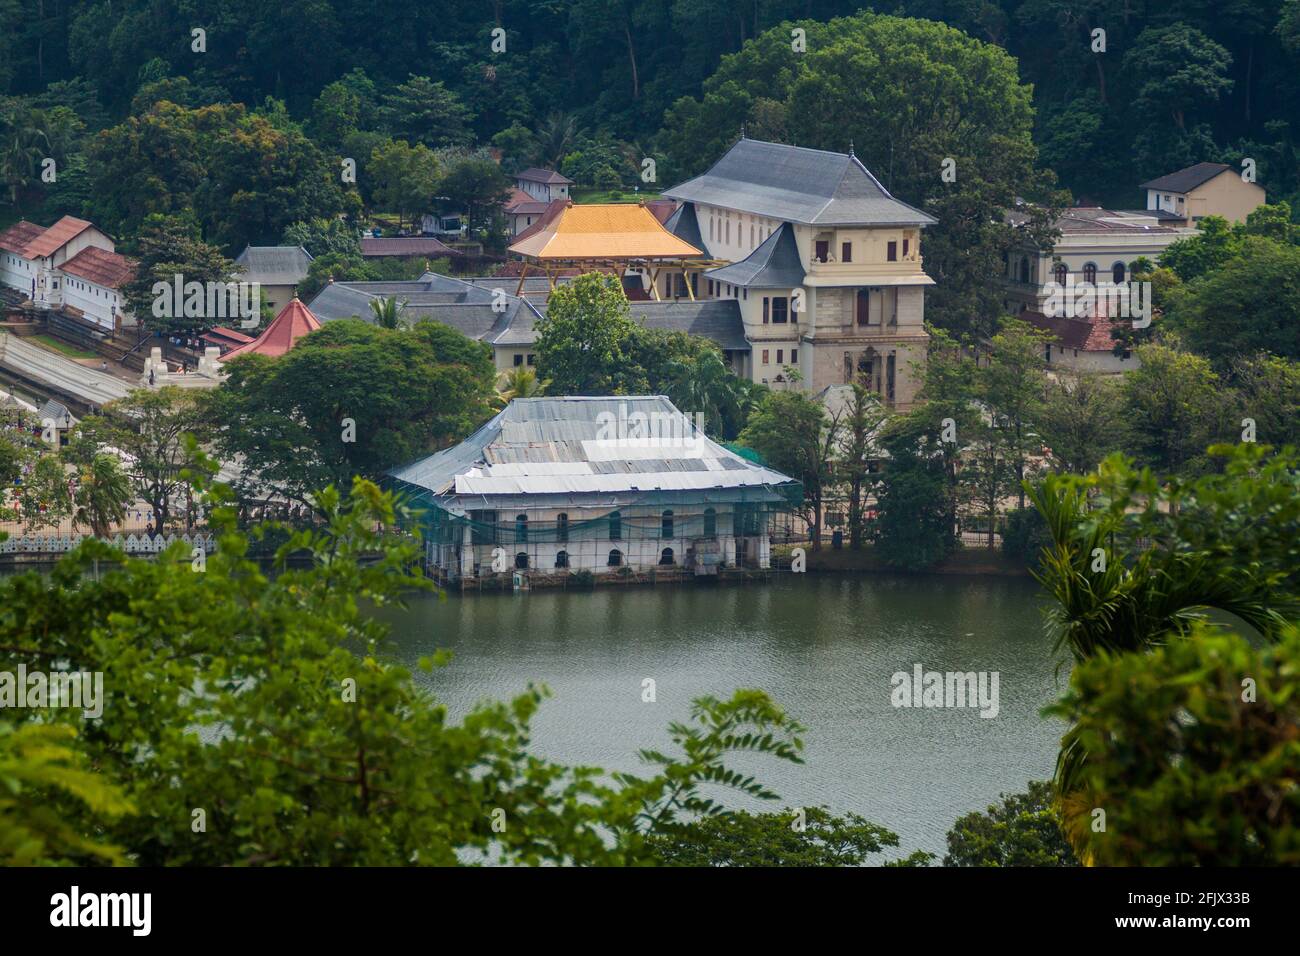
point(824, 646)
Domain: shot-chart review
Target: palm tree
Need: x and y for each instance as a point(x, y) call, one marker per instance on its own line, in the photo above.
point(388, 312)
point(519, 382)
point(24, 144)
point(102, 496)
point(1105, 604)
point(555, 138)
point(705, 386)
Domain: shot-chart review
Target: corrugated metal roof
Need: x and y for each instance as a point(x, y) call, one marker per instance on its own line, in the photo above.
point(274, 265)
point(591, 446)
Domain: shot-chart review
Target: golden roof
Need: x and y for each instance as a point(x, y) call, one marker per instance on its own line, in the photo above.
point(604, 231)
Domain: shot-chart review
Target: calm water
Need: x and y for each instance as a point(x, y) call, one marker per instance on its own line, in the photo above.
point(824, 647)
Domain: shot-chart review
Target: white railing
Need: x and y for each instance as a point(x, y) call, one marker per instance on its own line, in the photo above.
point(129, 544)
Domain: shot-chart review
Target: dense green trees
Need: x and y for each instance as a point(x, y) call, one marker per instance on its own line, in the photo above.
point(916, 99)
point(350, 399)
point(254, 719)
point(1023, 830)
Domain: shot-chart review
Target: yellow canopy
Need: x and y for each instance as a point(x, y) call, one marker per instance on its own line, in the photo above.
point(603, 231)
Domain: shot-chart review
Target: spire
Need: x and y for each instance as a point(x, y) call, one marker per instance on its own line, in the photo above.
point(850, 147)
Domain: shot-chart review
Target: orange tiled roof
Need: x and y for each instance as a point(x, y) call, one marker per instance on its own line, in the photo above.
point(602, 231)
point(294, 321)
point(56, 237)
point(104, 268)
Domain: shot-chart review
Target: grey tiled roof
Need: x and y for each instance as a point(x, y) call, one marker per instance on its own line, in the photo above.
point(775, 264)
point(535, 175)
point(715, 319)
point(1186, 179)
point(274, 265)
point(464, 306)
point(808, 186)
point(685, 225)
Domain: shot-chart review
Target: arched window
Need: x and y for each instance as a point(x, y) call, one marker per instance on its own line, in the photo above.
point(615, 558)
point(521, 529)
point(666, 556)
point(1090, 273)
point(562, 528)
point(666, 525)
point(710, 523)
point(1117, 273)
point(521, 561)
point(561, 559)
point(615, 526)
point(1024, 269)
point(1060, 271)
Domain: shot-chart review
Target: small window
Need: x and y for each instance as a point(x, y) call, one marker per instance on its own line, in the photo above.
point(1060, 271)
point(794, 356)
point(1090, 273)
point(823, 250)
point(519, 359)
point(710, 523)
point(615, 526)
point(1117, 272)
point(521, 561)
point(780, 309)
point(532, 359)
point(666, 525)
point(767, 309)
point(780, 356)
point(561, 559)
point(615, 558)
point(521, 529)
point(666, 556)
point(846, 252)
point(766, 360)
point(562, 527)
point(892, 252)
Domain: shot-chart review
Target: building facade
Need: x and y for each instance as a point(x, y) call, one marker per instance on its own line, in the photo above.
point(615, 485)
point(824, 264)
point(1206, 189)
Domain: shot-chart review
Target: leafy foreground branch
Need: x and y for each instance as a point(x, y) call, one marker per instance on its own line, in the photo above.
point(1183, 746)
point(250, 719)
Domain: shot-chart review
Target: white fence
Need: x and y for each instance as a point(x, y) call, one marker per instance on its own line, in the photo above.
point(130, 544)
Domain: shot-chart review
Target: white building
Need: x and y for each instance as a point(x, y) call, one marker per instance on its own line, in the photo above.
point(616, 485)
point(92, 288)
point(823, 262)
point(31, 256)
point(544, 185)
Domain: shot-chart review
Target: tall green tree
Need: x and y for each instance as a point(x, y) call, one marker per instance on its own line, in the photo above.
point(796, 435)
point(584, 338)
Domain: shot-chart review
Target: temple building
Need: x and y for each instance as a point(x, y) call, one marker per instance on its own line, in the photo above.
point(617, 485)
point(823, 263)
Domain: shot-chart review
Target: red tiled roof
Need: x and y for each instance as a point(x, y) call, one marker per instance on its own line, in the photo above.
point(522, 204)
point(19, 236)
point(1088, 334)
point(294, 321)
point(221, 335)
point(662, 208)
point(406, 246)
point(104, 268)
point(56, 237)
